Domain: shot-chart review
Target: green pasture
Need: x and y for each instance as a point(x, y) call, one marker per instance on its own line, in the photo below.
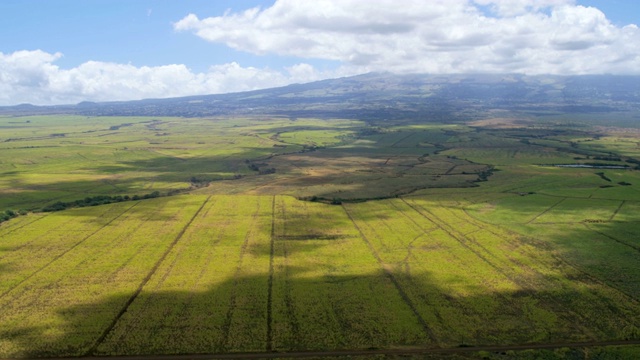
point(231, 273)
point(284, 234)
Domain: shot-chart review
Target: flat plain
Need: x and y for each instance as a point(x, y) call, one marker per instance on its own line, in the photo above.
point(282, 234)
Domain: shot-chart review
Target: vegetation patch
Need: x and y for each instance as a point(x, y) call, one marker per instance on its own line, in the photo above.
point(407, 234)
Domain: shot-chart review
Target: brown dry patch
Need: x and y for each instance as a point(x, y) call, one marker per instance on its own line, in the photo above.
point(618, 131)
point(346, 175)
point(14, 190)
point(487, 207)
point(500, 123)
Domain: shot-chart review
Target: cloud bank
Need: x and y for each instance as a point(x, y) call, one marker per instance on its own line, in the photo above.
point(434, 36)
point(32, 77)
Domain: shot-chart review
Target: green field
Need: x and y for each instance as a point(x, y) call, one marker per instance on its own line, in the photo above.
point(278, 234)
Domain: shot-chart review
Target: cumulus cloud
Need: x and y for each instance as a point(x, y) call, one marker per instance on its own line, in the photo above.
point(32, 77)
point(436, 36)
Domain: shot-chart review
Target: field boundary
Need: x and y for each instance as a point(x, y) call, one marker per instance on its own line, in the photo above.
point(468, 244)
point(155, 267)
point(425, 327)
point(617, 210)
point(636, 248)
point(271, 271)
point(10, 231)
point(236, 280)
point(359, 352)
point(66, 251)
point(547, 210)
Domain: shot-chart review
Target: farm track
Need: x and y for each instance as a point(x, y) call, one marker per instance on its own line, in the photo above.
point(287, 297)
point(617, 210)
point(547, 210)
point(155, 267)
point(175, 260)
point(122, 242)
point(425, 231)
point(66, 251)
point(10, 231)
point(458, 237)
point(427, 330)
point(26, 243)
point(563, 312)
point(634, 247)
point(450, 170)
point(167, 273)
point(361, 352)
point(271, 271)
point(236, 280)
point(401, 140)
point(561, 260)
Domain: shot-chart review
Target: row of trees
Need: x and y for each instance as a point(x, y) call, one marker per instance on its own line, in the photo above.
point(10, 214)
point(88, 201)
point(97, 200)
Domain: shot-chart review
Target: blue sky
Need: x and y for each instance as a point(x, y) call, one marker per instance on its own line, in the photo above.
point(137, 32)
point(66, 51)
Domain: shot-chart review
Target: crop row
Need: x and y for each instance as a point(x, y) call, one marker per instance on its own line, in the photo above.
point(476, 283)
point(328, 289)
point(64, 307)
point(197, 274)
point(210, 292)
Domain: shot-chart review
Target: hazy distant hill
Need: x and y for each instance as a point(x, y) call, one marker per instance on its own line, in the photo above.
point(379, 96)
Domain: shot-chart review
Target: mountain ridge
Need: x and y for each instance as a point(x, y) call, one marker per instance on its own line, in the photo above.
point(378, 96)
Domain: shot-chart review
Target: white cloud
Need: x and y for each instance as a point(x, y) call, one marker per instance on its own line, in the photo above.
point(432, 36)
point(32, 77)
point(436, 36)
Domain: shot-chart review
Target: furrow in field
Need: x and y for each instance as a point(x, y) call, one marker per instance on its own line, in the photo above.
point(512, 270)
point(144, 281)
point(483, 254)
point(233, 301)
point(424, 229)
point(631, 246)
point(209, 295)
point(50, 228)
point(547, 277)
point(443, 302)
point(49, 245)
point(617, 210)
point(402, 139)
point(529, 250)
point(395, 282)
point(546, 210)
point(66, 308)
point(477, 300)
point(14, 225)
point(269, 346)
point(168, 266)
point(328, 288)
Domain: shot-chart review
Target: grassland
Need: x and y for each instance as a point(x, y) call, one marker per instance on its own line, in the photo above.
point(470, 237)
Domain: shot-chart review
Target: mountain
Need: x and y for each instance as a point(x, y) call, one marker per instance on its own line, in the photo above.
point(382, 96)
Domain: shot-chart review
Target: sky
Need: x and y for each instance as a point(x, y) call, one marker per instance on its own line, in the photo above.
point(68, 51)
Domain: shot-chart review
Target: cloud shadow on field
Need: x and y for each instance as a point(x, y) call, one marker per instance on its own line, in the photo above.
point(307, 314)
point(598, 237)
point(340, 173)
point(298, 309)
point(310, 294)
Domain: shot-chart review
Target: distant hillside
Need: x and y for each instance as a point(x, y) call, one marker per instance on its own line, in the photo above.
point(381, 96)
